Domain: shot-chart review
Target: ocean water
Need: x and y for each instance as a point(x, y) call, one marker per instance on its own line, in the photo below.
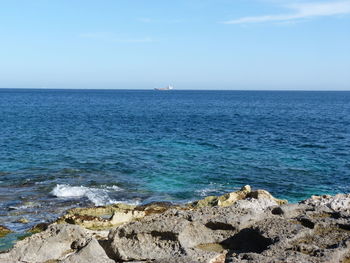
point(66, 148)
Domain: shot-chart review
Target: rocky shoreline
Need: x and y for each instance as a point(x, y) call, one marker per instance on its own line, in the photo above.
point(243, 226)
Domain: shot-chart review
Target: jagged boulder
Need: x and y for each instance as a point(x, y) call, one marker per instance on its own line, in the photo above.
point(52, 244)
point(339, 202)
point(191, 235)
point(151, 240)
point(89, 251)
point(245, 226)
point(164, 237)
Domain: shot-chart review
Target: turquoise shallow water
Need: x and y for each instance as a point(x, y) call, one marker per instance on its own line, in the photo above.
point(63, 148)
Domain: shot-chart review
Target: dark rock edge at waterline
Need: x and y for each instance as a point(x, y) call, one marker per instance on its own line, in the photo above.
point(243, 226)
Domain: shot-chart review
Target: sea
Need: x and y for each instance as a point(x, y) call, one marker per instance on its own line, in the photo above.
point(67, 148)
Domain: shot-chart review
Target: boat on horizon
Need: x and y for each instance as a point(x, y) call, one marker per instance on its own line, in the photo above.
point(166, 88)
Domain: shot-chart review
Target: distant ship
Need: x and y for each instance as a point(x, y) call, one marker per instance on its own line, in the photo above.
point(166, 88)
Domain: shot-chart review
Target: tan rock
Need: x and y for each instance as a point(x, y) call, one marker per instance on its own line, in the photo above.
point(23, 220)
point(231, 198)
point(101, 210)
point(121, 217)
point(89, 222)
point(208, 201)
point(105, 217)
point(219, 259)
point(223, 200)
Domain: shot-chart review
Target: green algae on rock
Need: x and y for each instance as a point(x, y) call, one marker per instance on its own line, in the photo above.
point(38, 228)
point(104, 217)
point(4, 231)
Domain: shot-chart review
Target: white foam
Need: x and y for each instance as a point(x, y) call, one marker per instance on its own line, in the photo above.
point(211, 189)
point(130, 202)
point(96, 195)
point(205, 192)
point(114, 187)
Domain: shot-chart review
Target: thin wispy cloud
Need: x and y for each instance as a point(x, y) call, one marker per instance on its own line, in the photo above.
point(110, 37)
point(299, 11)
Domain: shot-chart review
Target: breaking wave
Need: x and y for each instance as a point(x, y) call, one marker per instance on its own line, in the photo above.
point(97, 196)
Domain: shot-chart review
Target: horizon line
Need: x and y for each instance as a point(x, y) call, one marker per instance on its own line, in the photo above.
point(140, 89)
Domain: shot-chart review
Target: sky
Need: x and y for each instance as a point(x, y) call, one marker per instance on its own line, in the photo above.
point(190, 44)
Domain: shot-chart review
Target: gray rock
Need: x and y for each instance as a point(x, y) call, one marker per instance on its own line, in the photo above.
point(164, 237)
point(180, 234)
point(258, 205)
point(52, 244)
point(194, 234)
point(151, 240)
point(339, 202)
point(252, 229)
point(91, 252)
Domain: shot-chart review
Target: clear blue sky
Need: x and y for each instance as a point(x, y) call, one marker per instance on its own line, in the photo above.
point(191, 44)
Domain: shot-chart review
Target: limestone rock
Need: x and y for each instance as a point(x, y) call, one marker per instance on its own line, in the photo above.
point(164, 237)
point(52, 244)
point(87, 221)
point(219, 259)
point(223, 200)
point(263, 194)
point(244, 226)
point(97, 218)
point(126, 216)
point(194, 234)
point(256, 205)
point(207, 201)
point(337, 203)
point(180, 235)
point(100, 210)
point(153, 240)
point(89, 252)
point(231, 198)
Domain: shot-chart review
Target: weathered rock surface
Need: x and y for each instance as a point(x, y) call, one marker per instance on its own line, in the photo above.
point(245, 226)
point(231, 198)
point(54, 243)
point(89, 251)
point(335, 203)
point(105, 217)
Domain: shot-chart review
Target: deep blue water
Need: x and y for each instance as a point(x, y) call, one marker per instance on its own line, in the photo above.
point(141, 146)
